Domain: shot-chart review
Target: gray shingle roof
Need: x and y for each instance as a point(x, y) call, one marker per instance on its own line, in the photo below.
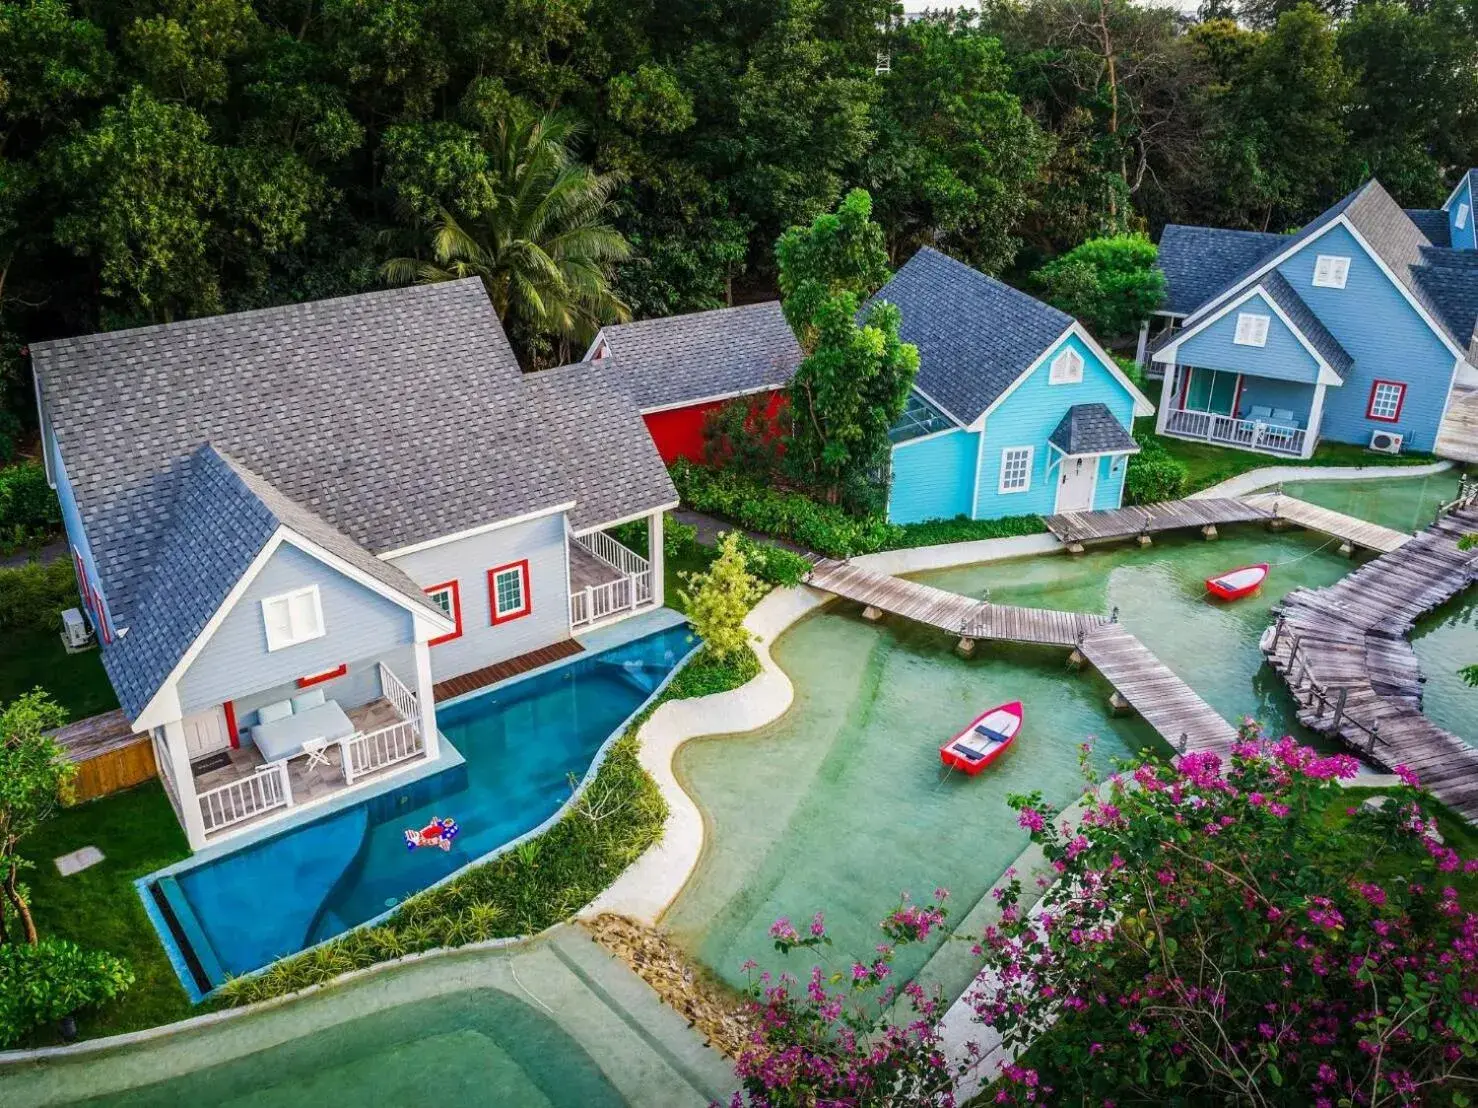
point(1450, 278)
point(1431, 222)
point(1286, 297)
point(366, 423)
point(1389, 232)
point(1198, 261)
point(600, 442)
point(221, 517)
point(686, 358)
point(1091, 429)
point(975, 335)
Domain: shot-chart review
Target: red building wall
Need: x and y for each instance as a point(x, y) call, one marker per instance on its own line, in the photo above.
point(678, 432)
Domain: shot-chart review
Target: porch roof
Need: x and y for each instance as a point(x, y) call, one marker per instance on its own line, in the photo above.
point(1306, 322)
point(1092, 429)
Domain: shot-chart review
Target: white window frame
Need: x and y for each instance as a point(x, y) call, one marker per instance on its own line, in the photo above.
point(520, 570)
point(1461, 219)
point(1067, 368)
point(314, 627)
point(1026, 474)
point(1331, 271)
point(1395, 392)
point(1252, 329)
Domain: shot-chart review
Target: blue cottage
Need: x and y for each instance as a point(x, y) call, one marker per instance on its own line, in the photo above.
point(1016, 409)
point(1359, 329)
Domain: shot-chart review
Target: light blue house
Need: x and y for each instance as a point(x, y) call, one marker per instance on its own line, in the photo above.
point(296, 529)
point(1356, 329)
point(1015, 411)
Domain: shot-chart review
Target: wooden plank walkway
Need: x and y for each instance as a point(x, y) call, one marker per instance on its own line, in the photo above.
point(1355, 531)
point(1165, 701)
point(1346, 657)
point(1169, 515)
point(501, 671)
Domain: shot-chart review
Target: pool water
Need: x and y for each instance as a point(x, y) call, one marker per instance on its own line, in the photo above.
point(842, 803)
point(525, 744)
point(479, 1046)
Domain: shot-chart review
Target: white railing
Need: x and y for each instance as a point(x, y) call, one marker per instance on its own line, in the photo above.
point(401, 698)
point(1271, 438)
point(613, 553)
point(366, 752)
point(264, 790)
point(596, 602)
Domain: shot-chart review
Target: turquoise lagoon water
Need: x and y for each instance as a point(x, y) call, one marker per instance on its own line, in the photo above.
point(841, 804)
point(522, 742)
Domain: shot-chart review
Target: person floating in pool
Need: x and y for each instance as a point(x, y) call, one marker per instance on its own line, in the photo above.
point(439, 832)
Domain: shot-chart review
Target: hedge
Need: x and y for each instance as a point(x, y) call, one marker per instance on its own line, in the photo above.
point(1154, 474)
point(824, 528)
point(26, 500)
point(33, 595)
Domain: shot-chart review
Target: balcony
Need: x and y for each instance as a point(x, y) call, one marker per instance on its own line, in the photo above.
point(607, 580)
point(1245, 434)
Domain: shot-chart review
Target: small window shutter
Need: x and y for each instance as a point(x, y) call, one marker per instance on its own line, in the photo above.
point(1462, 216)
point(278, 622)
point(305, 621)
point(1322, 270)
point(1260, 329)
point(1244, 329)
point(1341, 271)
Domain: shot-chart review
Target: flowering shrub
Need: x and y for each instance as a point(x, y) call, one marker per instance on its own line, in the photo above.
point(1221, 933)
point(836, 1040)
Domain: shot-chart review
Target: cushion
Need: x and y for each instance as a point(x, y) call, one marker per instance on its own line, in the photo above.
point(310, 699)
point(271, 713)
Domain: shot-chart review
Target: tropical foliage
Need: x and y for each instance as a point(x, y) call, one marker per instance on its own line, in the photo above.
point(1237, 932)
point(49, 980)
point(718, 599)
point(1108, 284)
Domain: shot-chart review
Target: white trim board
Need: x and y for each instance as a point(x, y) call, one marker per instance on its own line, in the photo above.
point(678, 405)
point(481, 529)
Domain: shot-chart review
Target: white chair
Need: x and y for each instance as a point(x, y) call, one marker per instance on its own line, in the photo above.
point(317, 751)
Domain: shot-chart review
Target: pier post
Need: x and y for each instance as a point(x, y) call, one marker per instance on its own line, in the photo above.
point(871, 613)
point(1209, 531)
point(1075, 660)
point(1370, 745)
point(1183, 743)
point(1144, 540)
point(1117, 702)
point(1339, 707)
point(1346, 548)
point(1075, 548)
point(965, 648)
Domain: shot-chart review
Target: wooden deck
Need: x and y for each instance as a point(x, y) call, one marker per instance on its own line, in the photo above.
point(501, 671)
point(1457, 437)
point(1344, 654)
point(1075, 528)
point(1167, 703)
point(1355, 531)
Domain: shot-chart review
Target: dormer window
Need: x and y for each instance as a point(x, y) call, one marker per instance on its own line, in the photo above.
point(1252, 329)
point(1067, 368)
point(1461, 219)
point(1331, 271)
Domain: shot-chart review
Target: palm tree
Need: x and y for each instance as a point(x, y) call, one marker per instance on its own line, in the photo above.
point(542, 246)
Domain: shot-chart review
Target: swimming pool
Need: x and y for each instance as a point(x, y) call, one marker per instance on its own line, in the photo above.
point(525, 743)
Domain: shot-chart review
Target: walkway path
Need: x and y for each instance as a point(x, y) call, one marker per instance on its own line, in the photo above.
point(1166, 702)
point(1353, 530)
point(1344, 654)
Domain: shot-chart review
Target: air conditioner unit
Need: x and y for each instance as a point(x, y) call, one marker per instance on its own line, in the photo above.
point(1386, 442)
point(75, 632)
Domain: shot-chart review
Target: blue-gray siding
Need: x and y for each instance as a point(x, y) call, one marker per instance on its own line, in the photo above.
point(467, 561)
point(1283, 358)
point(1387, 338)
point(360, 625)
point(934, 477)
point(360, 685)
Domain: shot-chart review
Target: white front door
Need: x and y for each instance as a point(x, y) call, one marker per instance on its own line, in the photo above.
point(205, 733)
point(1075, 484)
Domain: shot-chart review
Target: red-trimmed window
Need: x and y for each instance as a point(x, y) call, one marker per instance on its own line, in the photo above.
point(327, 675)
point(448, 597)
point(1387, 398)
point(508, 592)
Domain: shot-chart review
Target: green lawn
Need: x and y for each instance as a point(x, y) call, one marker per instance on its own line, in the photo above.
point(1209, 465)
point(30, 657)
point(137, 833)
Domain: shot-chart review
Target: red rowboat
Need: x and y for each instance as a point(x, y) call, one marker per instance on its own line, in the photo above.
point(1234, 584)
point(985, 740)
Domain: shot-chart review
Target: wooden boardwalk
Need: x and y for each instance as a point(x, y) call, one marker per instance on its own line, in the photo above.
point(1344, 654)
point(1165, 701)
point(1074, 528)
point(1355, 531)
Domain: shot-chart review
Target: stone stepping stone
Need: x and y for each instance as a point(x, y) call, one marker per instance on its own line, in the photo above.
point(78, 860)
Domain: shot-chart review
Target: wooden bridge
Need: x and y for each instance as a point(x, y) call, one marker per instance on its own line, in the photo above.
point(1344, 654)
point(1074, 529)
point(1143, 682)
